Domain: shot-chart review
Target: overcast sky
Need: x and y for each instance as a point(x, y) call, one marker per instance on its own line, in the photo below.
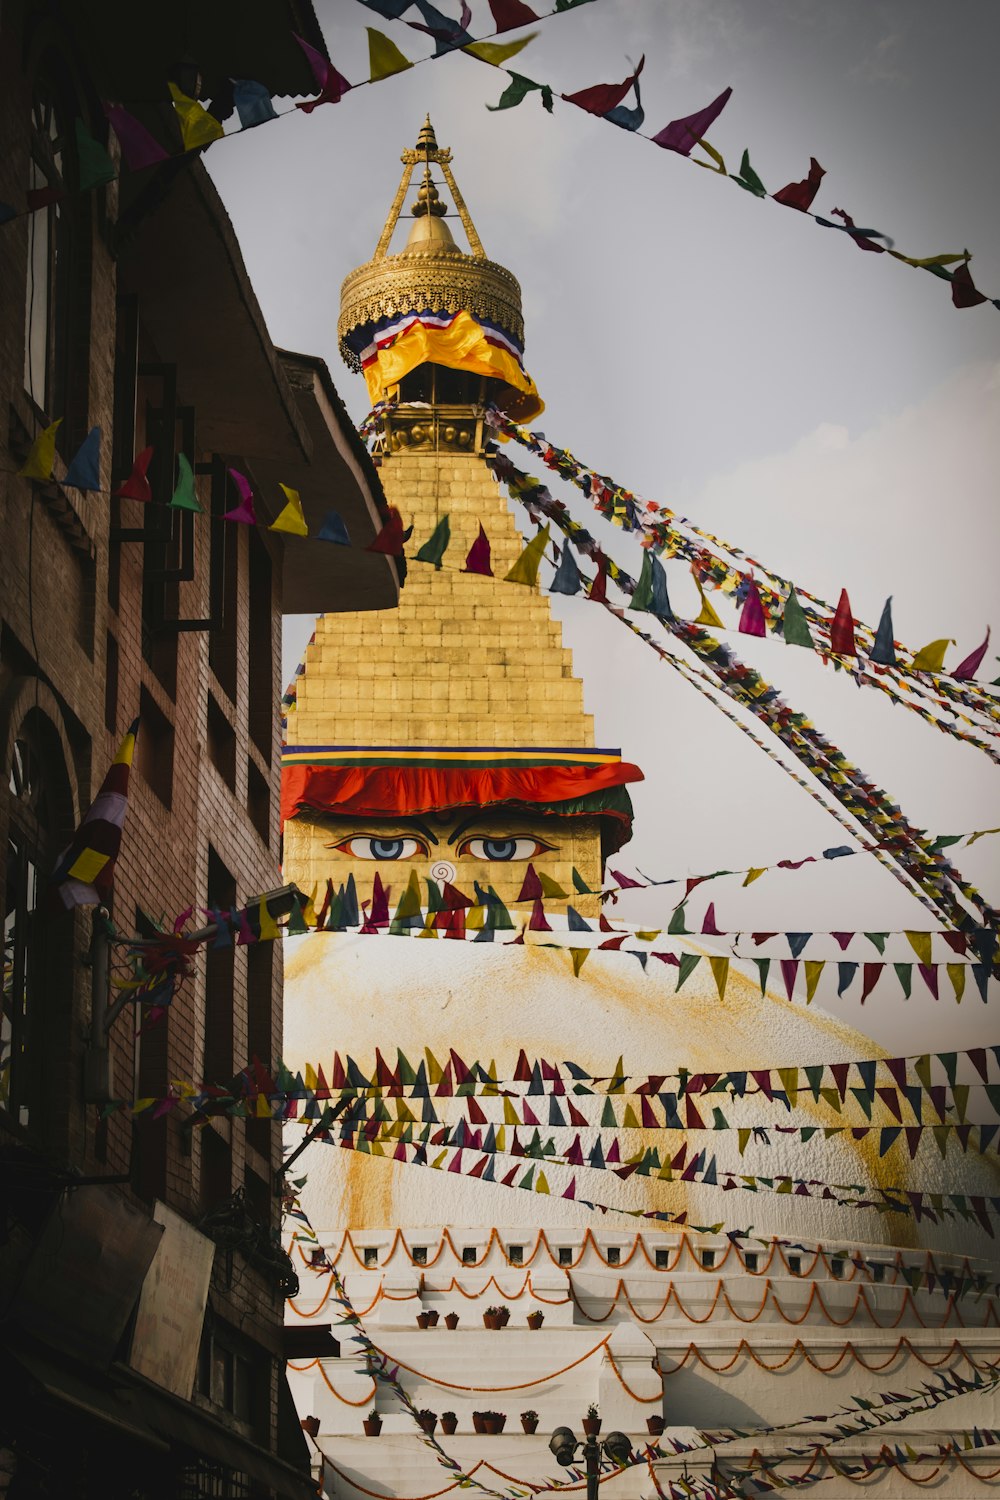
point(825, 409)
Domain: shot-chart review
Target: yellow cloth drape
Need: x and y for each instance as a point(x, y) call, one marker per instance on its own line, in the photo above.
point(461, 346)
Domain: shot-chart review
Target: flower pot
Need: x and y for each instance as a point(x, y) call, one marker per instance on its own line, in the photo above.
point(504, 1318)
point(428, 1424)
point(478, 1425)
point(448, 1425)
point(451, 1320)
point(489, 1321)
point(591, 1426)
point(423, 1320)
point(373, 1426)
point(654, 1426)
point(529, 1424)
point(535, 1319)
point(490, 1426)
point(501, 1421)
point(432, 1318)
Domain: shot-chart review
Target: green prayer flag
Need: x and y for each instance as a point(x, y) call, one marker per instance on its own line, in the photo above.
point(904, 973)
point(748, 178)
point(877, 939)
point(676, 923)
point(437, 544)
point(96, 166)
point(296, 924)
point(184, 497)
point(763, 966)
point(794, 623)
point(579, 884)
point(608, 1121)
point(518, 90)
point(642, 598)
point(689, 962)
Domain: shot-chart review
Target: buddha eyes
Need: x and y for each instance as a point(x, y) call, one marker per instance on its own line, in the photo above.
point(489, 851)
point(496, 850)
point(386, 849)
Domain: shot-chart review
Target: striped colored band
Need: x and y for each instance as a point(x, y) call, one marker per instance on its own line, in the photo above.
point(442, 755)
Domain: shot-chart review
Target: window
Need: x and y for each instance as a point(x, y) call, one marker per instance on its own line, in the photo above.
point(565, 1255)
point(54, 328)
point(219, 979)
point(419, 1254)
point(221, 743)
point(260, 710)
point(370, 1256)
point(515, 1254)
point(662, 1260)
point(469, 1255)
point(259, 802)
point(837, 1268)
point(708, 1259)
point(37, 982)
point(614, 1255)
point(795, 1265)
point(216, 1183)
point(230, 1373)
point(751, 1260)
point(154, 748)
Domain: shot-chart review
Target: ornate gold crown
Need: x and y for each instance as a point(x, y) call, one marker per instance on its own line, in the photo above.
point(431, 272)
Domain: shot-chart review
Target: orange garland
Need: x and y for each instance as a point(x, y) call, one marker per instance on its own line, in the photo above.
point(491, 1389)
point(848, 1350)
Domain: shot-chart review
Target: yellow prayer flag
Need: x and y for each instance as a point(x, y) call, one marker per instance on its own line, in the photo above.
point(41, 454)
point(579, 957)
point(720, 968)
point(920, 942)
point(956, 973)
point(706, 615)
point(929, 260)
point(753, 874)
point(790, 1083)
point(497, 53)
point(630, 1120)
point(291, 518)
point(475, 918)
point(263, 1107)
point(87, 866)
point(525, 570)
point(198, 127)
point(649, 937)
point(930, 658)
point(268, 926)
point(814, 968)
point(311, 1081)
point(720, 165)
point(551, 887)
point(309, 909)
point(541, 1185)
point(384, 57)
point(434, 1073)
point(509, 1117)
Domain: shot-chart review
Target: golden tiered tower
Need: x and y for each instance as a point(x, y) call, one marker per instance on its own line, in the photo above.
point(465, 691)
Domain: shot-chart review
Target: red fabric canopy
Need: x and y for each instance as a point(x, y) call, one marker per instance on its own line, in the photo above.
point(387, 791)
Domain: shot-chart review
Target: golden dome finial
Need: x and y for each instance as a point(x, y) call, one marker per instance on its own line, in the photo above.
point(430, 271)
point(428, 198)
point(427, 140)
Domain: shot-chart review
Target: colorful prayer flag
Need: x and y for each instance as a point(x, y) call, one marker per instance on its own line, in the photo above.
point(84, 875)
point(684, 134)
point(290, 518)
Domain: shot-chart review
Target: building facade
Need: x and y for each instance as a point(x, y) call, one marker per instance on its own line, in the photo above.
point(435, 757)
point(142, 1286)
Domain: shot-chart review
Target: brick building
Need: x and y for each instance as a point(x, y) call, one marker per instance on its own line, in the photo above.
point(126, 306)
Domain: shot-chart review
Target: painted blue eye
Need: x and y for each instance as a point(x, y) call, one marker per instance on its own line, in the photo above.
point(383, 849)
point(502, 850)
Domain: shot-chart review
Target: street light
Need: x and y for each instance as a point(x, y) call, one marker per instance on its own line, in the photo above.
point(564, 1443)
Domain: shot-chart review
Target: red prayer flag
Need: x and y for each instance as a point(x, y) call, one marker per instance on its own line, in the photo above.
point(859, 239)
point(968, 668)
point(789, 971)
point(682, 135)
point(964, 292)
point(871, 974)
point(708, 925)
point(538, 922)
point(842, 628)
point(390, 538)
point(136, 486)
point(332, 86)
point(509, 14)
point(599, 588)
point(478, 560)
point(531, 886)
point(602, 97)
point(801, 194)
point(139, 148)
point(752, 620)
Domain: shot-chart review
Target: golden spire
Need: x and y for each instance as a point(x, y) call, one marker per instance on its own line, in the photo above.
point(431, 271)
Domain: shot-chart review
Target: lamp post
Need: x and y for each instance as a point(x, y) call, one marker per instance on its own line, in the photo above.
point(564, 1443)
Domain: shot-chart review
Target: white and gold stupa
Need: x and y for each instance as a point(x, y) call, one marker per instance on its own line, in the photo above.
point(444, 746)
